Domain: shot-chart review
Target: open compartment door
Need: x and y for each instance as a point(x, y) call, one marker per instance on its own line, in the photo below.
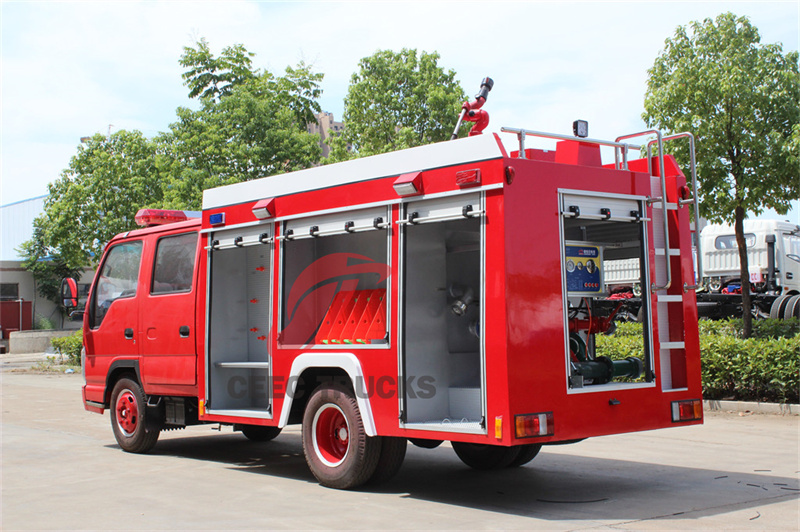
point(442, 309)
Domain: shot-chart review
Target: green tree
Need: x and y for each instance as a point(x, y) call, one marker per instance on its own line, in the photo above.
point(398, 100)
point(48, 269)
point(107, 181)
point(212, 77)
point(256, 129)
point(741, 99)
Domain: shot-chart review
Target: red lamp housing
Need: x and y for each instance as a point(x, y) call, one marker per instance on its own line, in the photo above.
point(264, 209)
point(409, 184)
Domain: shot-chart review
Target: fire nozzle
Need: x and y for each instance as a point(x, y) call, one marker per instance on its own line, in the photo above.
point(463, 295)
point(472, 112)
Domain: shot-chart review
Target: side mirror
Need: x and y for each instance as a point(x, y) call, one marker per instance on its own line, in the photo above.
point(69, 293)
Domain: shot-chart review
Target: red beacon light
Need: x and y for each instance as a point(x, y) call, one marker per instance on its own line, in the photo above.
point(151, 217)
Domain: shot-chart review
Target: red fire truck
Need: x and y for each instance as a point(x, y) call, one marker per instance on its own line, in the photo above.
point(449, 292)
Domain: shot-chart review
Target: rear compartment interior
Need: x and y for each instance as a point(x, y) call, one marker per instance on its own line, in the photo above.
point(330, 279)
point(239, 328)
point(441, 320)
point(604, 270)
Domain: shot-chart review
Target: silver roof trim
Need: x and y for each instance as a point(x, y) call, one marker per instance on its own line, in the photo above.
point(477, 148)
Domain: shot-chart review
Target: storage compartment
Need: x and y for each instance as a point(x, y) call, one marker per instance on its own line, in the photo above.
point(239, 357)
point(442, 313)
point(603, 251)
point(335, 279)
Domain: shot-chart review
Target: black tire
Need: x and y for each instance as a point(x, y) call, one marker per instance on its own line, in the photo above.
point(792, 308)
point(485, 457)
point(526, 454)
point(393, 452)
point(776, 309)
point(129, 417)
point(425, 444)
point(260, 432)
point(337, 448)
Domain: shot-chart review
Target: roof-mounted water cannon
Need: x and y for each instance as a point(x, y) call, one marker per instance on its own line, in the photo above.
point(472, 112)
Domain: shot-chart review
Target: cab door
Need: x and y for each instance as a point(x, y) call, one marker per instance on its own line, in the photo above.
point(112, 323)
point(167, 313)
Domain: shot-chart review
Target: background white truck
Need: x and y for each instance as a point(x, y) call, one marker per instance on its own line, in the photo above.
point(773, 255)
point(773, 252)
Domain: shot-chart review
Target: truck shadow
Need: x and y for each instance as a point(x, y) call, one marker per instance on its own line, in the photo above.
point(556, 485)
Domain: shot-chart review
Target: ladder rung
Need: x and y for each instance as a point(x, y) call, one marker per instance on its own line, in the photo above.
point(673, 345)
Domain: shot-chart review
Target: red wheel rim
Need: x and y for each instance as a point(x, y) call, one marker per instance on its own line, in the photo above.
point(331, 435)
point(127, 412)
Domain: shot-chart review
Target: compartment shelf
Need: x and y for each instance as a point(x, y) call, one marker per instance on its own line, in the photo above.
point(245, 365)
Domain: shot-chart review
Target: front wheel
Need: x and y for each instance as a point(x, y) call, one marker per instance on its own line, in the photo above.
point(337, 448)
point(128, 417)
point(484, 457)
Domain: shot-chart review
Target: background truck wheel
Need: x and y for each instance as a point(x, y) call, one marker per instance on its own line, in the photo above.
point(484, 457)
point(128, 417)
point(393, 452)
point(526, 454)
point(260, 433)
point(792, 308)
point(776, 310)
point(337, 449)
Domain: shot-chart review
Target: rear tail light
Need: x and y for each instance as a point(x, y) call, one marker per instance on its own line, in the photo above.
point(533, 425)
point(690, 410)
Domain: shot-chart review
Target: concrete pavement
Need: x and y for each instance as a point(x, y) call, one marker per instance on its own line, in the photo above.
point(61, 469)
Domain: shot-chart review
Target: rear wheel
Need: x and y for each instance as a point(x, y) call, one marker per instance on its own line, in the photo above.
point(425, 444)
point(337, 448)
point(484, 457)
point(128, 417)
point(393, 452)
point(260, 433)
point(526, 454)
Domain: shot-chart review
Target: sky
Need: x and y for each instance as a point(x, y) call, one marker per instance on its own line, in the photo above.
point(72, 69)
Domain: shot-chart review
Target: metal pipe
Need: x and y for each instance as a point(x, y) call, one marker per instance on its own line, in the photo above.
point(441, 218)
point(694, 201)
point(663, 180)
point(770, 239)
point(454, 136)
point(556, 136)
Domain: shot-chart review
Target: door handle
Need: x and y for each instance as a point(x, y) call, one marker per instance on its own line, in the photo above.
point(184, 331)
point(129, 334)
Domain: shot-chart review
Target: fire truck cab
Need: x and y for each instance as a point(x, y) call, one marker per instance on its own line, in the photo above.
point(450, 292)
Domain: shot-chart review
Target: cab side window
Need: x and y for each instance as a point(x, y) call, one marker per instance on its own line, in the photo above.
point(174, 264)
point(118, 278)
